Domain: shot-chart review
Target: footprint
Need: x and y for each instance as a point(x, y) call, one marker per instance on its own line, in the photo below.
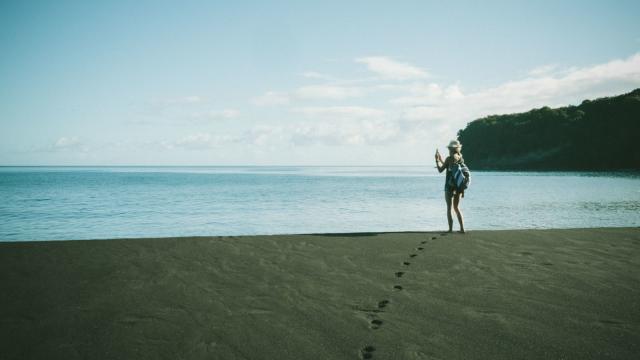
point(420, 248)
point(376, 323)
point(433, 238)
point(423, 242)
point(367, 310)
point(397, 287)
point(383, 304)
point(399, 274)
point(610, 322)
point(413, 255)
point(367, 352)
point(406, 263)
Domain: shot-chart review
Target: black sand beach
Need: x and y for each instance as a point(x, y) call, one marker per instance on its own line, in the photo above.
point(529, 294)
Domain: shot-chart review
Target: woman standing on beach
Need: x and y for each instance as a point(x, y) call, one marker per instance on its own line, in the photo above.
point(451, 196)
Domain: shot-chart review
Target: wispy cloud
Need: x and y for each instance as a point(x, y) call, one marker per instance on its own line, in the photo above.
point(444, 110)
point(215, 114)
point(266, 135)
point(416, 112)
point(426, 94)
point(360, 132)
point(317, 75)
point(67, 144)
point(542, 70)
point(565, 87)
point(329, 132)
point(351, 112)
point(427, 112)
point(332, 92)
point(188, 99)
point(271, 98)
point(392, 69)
point(199, 141)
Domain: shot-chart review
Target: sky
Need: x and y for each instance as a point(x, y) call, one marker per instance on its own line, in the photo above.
point(292, 82)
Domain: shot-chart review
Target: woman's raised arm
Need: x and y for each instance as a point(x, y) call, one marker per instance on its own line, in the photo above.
point(441, 165)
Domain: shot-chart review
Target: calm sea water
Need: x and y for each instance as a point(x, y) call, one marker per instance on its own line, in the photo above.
point(52, 203)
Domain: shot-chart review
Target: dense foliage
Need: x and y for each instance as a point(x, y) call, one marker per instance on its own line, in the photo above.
point(596, 135)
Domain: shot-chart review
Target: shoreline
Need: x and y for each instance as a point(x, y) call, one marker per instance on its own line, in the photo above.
point(331, 234)
point(500, 294)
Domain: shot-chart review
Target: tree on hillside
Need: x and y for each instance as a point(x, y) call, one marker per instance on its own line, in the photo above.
point(595, 135)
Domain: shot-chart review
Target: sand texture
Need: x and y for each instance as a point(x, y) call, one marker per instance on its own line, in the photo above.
point(529, 294)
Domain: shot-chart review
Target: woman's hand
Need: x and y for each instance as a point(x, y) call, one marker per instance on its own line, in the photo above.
point(439, 161)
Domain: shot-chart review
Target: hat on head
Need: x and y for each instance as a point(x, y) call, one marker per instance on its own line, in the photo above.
point(454, 144)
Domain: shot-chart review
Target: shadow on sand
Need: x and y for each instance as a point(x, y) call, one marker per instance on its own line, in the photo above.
point(355, 234)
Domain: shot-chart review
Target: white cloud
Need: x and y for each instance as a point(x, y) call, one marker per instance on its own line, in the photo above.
point(181, 100)
point(327, 132)
point(419, 94)
point(428, 94)
point(391, 69)
point(453, 92)
point(216, 114)
point(566, 87)
point(199, 141)
point(271, 98)
point(263, 135)
point(66, 142)
point(332, 92)
point(340, 112)
point(448, 111)
point(341, 133)
point(542, 70)
point(423, 114)
point(191, 99)
point(72, 143)
point(316, 75)
point(226, 113)
point(195, 141)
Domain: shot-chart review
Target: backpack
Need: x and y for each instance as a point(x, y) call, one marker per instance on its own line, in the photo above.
point(460, 177)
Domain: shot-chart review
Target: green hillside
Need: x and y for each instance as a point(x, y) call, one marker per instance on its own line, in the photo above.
point(599, 134)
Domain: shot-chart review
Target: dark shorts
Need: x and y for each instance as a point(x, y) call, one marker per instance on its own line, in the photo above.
point(448, 192)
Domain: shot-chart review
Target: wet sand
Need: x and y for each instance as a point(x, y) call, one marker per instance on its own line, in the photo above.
point(534, 294)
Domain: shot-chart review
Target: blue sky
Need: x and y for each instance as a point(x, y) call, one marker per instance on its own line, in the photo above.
point(291, 83)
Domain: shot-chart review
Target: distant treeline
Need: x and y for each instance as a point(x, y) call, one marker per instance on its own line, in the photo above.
point(601, 134)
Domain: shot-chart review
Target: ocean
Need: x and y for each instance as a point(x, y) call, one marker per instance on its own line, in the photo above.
point(69, 203)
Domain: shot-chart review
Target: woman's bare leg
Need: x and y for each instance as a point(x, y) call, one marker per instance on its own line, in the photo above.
point(456, 208)
point(448, 198)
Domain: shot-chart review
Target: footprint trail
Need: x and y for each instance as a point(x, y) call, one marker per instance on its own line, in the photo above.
point(375, 323)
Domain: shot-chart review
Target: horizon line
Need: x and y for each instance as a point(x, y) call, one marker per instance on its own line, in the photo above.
point(242, 165)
